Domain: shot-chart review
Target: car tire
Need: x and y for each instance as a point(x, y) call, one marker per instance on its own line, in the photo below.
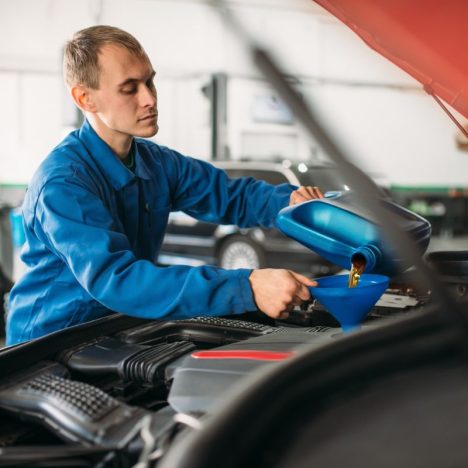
point(241, 252)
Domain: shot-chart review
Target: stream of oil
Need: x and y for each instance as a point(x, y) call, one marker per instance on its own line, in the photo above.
point(357, 268)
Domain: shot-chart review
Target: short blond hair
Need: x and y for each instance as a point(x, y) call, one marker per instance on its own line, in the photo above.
point(81, 54)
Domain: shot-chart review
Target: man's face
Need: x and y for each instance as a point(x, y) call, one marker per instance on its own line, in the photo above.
point(126, 101)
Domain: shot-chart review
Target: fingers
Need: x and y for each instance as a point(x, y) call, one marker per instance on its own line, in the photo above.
point(305, 193)
point(319, 193)
point(303, 279)
point(313, 192)
point(302, 291)
point(296, 301)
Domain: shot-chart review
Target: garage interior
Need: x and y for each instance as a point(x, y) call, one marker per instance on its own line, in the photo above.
point(216, 105)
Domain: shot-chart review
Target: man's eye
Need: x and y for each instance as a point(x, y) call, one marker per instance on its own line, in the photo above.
point(129, 90)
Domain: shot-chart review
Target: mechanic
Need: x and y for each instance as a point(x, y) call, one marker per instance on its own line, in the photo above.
point(96, 210)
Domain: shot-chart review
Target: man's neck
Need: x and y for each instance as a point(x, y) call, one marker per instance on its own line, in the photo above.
point(118, 142)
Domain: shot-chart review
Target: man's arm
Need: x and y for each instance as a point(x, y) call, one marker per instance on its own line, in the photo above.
point(206, 193)
point(73, 223)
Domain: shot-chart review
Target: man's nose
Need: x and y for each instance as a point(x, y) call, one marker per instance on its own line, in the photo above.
point(147, 96)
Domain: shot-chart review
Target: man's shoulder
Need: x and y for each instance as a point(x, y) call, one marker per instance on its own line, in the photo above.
point(62, 162)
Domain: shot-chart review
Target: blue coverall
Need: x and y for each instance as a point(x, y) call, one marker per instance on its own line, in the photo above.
point(94, 229)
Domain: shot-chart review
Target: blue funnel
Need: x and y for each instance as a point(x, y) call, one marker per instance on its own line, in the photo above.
point(349, 305)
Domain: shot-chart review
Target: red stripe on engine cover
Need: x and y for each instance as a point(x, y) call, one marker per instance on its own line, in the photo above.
point(243, 354)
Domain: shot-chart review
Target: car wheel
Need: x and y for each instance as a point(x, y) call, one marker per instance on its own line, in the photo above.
point(240, 252)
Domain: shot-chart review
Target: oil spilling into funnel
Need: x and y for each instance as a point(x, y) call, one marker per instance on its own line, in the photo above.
point(349, 305)
point(358, 266)
point(340, 230)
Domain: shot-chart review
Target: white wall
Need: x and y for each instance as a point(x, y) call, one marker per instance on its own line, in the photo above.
point(390, 126)
point(377, 112)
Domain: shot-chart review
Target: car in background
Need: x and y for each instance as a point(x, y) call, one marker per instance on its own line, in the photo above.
point(194, 242)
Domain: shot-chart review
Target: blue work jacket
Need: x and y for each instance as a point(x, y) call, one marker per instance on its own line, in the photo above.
point(94, 229)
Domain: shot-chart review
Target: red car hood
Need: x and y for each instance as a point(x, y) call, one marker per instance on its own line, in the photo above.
point(426, 38)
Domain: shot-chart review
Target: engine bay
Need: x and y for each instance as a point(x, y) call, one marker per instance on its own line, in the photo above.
point(92, 392)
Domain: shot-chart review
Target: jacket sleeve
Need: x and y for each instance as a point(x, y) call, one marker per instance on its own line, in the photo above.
point(206, 193)
point(73, 222)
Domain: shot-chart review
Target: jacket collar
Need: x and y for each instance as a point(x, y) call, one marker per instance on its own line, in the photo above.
point(114, 169)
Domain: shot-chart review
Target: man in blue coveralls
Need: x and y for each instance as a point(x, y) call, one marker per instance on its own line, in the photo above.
point(97, 207)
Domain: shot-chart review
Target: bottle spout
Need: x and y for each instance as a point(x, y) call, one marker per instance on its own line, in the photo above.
point(369, 254)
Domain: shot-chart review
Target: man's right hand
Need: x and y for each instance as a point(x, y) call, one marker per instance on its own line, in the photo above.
point(276, 292)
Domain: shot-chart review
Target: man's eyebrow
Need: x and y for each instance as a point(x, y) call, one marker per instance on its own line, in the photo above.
point(135, 80)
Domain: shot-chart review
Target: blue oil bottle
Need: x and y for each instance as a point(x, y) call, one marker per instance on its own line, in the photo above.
point(341, 231)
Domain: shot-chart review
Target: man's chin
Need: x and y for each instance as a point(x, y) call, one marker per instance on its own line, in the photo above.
point(147, 132)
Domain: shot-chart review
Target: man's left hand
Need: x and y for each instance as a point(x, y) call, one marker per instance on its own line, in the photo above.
point(304, 193)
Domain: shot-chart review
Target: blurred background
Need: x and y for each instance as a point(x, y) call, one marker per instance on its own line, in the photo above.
point(214, 105)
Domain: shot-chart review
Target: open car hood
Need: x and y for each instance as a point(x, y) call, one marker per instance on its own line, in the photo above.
point(426, 38)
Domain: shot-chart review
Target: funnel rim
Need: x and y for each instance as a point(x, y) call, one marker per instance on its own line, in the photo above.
point(367, 280)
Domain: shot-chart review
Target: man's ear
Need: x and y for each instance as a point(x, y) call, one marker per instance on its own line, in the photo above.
point(83, 99)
